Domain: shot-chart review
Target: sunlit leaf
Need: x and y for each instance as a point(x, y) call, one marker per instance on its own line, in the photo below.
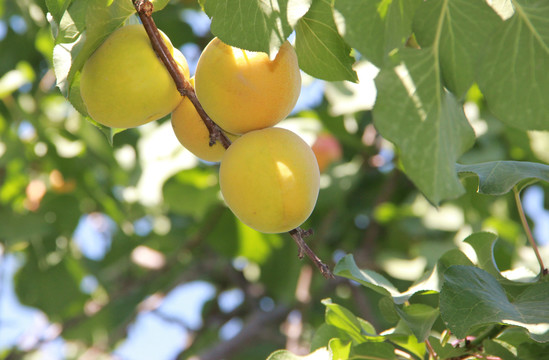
point(320, 354)
point(377, 27)
point(321, 51)
point(373, 351)
point(424, 121)
point(520, 47)
point(458, 30)
point(339, 349)
point(343, 319)
point(255, 25)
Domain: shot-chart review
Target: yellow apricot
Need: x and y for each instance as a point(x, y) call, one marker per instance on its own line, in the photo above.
point(124, 84)
point(243, 90)
point(269, 178)
point(193, 134)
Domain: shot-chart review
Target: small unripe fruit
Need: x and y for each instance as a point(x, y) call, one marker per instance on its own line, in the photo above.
point(242, 90)
point(270, 180)
point(124, 84)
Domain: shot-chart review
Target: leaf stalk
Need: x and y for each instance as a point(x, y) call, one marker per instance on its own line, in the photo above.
point(543, 270)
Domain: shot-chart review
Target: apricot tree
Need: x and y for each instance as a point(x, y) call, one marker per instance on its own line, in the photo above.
point(430, 133)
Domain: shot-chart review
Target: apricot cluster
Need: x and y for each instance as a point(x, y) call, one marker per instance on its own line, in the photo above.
point(269, 177)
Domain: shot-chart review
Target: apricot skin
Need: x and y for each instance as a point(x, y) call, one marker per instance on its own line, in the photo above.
point(270, 180)
point(193, 134)
point(243, 91)
point(124, 84)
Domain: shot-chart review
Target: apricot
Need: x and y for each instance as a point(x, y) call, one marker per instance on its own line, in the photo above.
point(269, 179)
point(124, 84)
point(193, 134)
point(327, 150)
point(242, 90)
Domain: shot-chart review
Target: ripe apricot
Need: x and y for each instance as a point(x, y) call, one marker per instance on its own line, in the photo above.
point(269, 178)
point(243, 90)
point(193, 134)
point(124, 84)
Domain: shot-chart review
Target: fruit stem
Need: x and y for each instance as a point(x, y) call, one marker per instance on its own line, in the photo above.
point(298, 234)
point(144, 9)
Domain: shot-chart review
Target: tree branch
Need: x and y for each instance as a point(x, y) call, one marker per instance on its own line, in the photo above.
point(251, 331)
point(144, 9)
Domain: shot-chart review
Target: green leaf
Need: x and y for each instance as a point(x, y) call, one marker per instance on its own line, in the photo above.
point(343, 319)
point(446, 351)
point(483, 244)
point(512, 73)
point(57, 8)
point(320, 354)
point(449, 258)
point(458, 30)
point(472, 297)
point(424, 121)
point(73, 22)
point(321, 51)
point(499, 177)
point(324, 334)
point(347, 268)
point(376, 27)
point(373, 351)
point(340, 349)
point(494, 348)
point(254, 24)
point(420, 318)
point(191, 192)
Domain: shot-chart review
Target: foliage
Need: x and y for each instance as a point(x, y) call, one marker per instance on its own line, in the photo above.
point(418, 218)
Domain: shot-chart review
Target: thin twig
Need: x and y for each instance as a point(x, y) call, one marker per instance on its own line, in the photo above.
point(144, 9)
point(543, 270)
point(298, 234)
